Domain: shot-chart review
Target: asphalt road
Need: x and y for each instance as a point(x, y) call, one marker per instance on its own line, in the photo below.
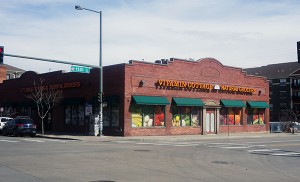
point(227, 160)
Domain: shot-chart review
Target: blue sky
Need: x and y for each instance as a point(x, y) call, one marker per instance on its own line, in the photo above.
point(239, 33)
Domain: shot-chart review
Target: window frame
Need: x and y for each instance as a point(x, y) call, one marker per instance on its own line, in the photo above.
point(180, 114)
point(235, 114)
point(156, 116)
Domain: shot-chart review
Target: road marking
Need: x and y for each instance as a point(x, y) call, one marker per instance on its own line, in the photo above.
point(31, 140)
point(8, 141)
point(236, 147)
point(185, 145)
point(263, 150)
point(123, 141)
point(55, 140)
point(286, 154)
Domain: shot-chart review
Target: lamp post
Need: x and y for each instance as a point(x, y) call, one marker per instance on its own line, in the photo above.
point(100, 99)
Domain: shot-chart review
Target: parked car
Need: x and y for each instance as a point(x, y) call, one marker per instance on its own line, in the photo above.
point(19, 126)
point(3, 120)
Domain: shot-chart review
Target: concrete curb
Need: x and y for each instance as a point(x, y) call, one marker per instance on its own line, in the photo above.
point(165, 138)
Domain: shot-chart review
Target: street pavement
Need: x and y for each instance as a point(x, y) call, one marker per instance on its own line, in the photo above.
point(81, 137)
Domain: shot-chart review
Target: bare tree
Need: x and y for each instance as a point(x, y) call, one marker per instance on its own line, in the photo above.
point(8, 112)
point(45, 98)
point(288, 117)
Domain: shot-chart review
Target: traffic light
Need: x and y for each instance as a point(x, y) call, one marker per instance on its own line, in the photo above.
point(298, 51)
point(1, 54)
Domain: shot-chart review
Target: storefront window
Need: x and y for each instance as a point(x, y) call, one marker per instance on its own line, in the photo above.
point(230, 116)
point(74, 114)
point(176, 116)
point(26, 111)
point(195, 116)
point(256, 116)
point(110, 114)
point(159, 116)
point(81, 114)
point(106, 116)
point(147, 116)
point(68, 115)
point(115, 115)
point(185, 116)
point(136, 116)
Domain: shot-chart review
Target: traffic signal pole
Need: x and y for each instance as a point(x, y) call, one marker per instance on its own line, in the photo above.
point(1, 54)
point(70, 63)
point(51, 60)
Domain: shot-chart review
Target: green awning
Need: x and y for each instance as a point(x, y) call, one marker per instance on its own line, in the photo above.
point(233, 103)
point(253, 104)
point(150, 100)
point(188, 102)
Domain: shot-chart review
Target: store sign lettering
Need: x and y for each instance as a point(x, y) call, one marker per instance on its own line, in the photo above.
point(237, 89)
point(181, 84)
point(53, 86)
point(203, 86)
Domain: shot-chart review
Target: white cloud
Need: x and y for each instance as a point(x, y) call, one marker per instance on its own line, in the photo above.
point(237, 33)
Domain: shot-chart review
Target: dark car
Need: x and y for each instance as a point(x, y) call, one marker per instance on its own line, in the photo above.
point(19, 126)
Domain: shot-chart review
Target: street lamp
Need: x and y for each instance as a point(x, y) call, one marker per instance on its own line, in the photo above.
point(77, 7)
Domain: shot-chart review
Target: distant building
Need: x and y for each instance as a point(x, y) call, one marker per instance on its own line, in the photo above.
point(8, 72)
point(13, 72)
point(284, 81)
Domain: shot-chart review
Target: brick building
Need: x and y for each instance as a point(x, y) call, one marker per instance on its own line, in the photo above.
point(284, 87)
point(168, 97)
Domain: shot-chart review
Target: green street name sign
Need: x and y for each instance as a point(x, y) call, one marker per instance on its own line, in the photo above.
point(80, 69)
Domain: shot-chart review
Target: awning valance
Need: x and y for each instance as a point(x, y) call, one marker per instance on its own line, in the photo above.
point(253, 104)
point(150, 100)
point(188, 102)
point(233, 103)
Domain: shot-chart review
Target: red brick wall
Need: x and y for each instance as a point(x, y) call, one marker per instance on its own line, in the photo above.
point(208, 71)
point(2, 73)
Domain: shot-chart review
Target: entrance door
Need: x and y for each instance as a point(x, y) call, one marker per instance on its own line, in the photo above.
point(210, 121)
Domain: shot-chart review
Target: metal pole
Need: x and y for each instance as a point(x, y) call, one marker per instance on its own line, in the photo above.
point(101, 79)
point(51, 60)
point(77, 7)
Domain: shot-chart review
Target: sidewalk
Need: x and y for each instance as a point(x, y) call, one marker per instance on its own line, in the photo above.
point(83, 137)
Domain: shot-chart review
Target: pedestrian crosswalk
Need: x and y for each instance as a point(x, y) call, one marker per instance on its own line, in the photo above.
point(259, 149)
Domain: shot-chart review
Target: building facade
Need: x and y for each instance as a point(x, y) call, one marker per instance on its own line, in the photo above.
point(284, 84)
point(168, 97)
point(8, 72)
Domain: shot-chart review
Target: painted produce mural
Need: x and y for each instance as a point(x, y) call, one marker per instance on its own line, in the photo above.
point(186, 116)
point(230, 116)
point(147, 116)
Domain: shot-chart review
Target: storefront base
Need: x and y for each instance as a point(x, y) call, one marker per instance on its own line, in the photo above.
point(194, 131)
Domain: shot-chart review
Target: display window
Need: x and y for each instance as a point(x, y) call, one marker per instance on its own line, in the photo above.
point(26, 111)
point(230, 116)
point(147, 115)
point(256, 116)
point(74, 114)
point(67, 115)
point(111, 115)
point(185, 116)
